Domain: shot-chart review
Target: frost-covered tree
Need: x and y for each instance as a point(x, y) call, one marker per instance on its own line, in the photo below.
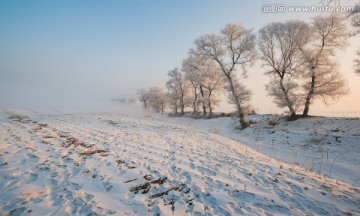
point(275, 90)
point(143, 97)
point(357, 62)
point(355, 22)
point(205, 76)
point(190, 67)
point(212, 75)
point(157, 99)
point(322, 78)
point(355, 19)
point(173, 99)
point(178, 88)
point(234, 47)
point(279, 44)
point(154, 98)
point(240, 95)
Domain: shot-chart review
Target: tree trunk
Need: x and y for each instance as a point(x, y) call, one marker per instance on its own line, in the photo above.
point(203, 100)
point(310, 94)
point(287, 99)
point(182, 105)
point(242, 121)
point(145, 104)
point(195, 100)
point(175, 107)
point(209, 104)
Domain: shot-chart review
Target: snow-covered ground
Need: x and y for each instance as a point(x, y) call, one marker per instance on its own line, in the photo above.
point(325, 145)
point(111, 164)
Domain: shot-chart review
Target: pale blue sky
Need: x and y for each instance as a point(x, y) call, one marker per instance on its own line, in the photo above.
point(63, 52)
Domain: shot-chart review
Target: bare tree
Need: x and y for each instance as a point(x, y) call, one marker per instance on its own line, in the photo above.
point(355, 19)
point(173, 96)
point(234, 46)
point(211, 81)
point(279, 44)
point(357, 62)
point(240, 96)
point(205, 76)
point(157, 99)
point(355, 22)
point(191, 67)
point(143, 97)
point(323, 80)
point(178, 88)
point(275, 90)
point(173, 99)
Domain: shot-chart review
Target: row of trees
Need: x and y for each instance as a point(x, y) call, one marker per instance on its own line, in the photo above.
point(301, 61)
point(154, 98)
point(299, 56)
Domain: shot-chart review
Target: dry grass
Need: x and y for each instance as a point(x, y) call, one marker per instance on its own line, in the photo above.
point(316, 141)
point(272, 123)
point(94, 152)
point(252, 122)
point(18, 117)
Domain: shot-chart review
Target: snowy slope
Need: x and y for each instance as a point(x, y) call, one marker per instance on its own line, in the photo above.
point(326, 145)
point(120, 165)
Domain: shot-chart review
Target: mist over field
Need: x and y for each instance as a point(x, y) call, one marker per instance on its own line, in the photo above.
point(70, 55)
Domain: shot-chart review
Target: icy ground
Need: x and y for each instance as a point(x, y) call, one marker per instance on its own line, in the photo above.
point(107, 164)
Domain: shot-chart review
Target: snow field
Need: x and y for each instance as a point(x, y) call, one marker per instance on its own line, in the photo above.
point(106, 164)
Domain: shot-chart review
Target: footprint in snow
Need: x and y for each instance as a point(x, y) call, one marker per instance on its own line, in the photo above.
point(185, 177)
point(192, 166)
point(107, 185)
point(242, 196)
point(18, 181)
point(209, 181)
